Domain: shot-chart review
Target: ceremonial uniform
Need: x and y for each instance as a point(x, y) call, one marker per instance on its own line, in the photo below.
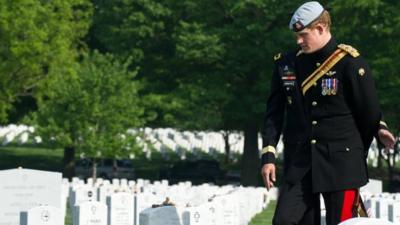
point(329, 126)
point(324, 103)
point(328, 119)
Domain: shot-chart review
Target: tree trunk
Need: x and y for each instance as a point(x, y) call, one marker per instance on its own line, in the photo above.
point(227, 146)
point(69, 162)
point(250, 160)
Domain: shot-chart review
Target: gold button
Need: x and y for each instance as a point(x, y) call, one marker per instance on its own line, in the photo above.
point(347, 149)
point(314, 103)
point(314, 122)
point(313, 141)
point(318, 64)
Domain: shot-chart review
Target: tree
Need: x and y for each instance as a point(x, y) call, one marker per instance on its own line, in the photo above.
point(38, 39)
point(225, 49)
point(374, 29)
point(92, 111)
point(204, 63)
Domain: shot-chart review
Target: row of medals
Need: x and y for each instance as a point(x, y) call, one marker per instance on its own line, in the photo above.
point(329, 86)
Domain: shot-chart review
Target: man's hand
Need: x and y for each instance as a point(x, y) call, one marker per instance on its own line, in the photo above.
point(268, 174)
point(386, 138)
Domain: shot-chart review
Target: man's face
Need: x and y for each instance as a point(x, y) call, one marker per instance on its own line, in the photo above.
point(310, 40)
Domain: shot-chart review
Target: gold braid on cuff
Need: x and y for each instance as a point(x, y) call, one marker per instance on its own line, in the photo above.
point(269, 148)
point(383, 123)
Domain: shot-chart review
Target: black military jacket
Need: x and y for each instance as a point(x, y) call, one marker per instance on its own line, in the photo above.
point(329, 128)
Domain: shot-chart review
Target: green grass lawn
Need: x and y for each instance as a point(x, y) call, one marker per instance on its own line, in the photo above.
point(264, 217)
point(31, 158)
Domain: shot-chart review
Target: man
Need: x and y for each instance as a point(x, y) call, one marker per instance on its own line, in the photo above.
point(325, 96)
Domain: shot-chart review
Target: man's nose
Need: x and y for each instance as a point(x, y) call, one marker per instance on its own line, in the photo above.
point(299, 40)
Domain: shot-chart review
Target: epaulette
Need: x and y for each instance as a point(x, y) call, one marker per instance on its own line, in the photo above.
point(349, 49)
point(277, 56)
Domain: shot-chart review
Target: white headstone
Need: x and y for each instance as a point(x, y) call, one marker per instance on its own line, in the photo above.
point(115, 182)
point(23, 189)
point(120, 209)
point(382, 208)
point(199, 215)
point(373, 186)
point(143, 201)
point(83, 194)
point(227, 210)
point(370, 206)
point(104, 191)
point(42, 215)
point(394, 212)
point(90, 213)
point(167, 215)
point(366, 221)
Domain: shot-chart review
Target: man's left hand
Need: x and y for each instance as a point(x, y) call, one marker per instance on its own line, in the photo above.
point(386, 138)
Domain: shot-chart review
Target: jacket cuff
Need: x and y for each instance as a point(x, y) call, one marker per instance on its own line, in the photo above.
point(267, 158)
point(268, 155)
point(383, 125)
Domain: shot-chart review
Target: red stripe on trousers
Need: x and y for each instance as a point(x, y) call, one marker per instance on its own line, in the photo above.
point(348, 203)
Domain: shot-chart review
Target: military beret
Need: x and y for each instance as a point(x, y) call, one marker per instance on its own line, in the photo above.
point(305, 15)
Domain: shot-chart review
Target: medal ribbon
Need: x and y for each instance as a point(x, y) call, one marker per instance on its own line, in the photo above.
point(322, 70)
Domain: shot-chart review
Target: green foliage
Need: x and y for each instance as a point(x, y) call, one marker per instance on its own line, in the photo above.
point(374, 29)
point(93, 110)
point(126, 27)
point(38, 39)
point(195, 45)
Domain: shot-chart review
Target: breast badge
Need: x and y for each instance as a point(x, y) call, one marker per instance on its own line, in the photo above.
point(331, 73)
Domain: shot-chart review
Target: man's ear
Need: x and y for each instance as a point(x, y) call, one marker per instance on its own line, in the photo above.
point(320, 28)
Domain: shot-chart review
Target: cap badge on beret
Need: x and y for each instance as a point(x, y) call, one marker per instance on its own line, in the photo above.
point(298, 26)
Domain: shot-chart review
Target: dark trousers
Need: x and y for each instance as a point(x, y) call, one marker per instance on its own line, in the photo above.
point(298, 205)
point(339, 205)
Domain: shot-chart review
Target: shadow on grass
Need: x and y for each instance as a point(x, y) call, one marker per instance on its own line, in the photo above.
point(31, 158)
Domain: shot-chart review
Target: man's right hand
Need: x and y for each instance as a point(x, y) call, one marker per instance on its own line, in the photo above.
point(268, 174)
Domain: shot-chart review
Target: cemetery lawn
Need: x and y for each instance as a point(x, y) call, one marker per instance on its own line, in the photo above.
point(31, 158)
point(264, 217)
point(42, 158)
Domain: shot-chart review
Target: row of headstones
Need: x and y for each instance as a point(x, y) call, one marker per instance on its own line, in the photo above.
point(18, 133)
point(167, 138)
point(198, 205)
point(21, 189)
point(385, 206)
point(207, 142)
point(160, 137)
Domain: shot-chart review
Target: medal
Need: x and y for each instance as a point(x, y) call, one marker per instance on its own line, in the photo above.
point(329, 86)
point(323, 85)
point(334, 86)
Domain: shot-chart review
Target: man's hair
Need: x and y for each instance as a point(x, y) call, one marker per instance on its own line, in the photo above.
point(324, 19)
